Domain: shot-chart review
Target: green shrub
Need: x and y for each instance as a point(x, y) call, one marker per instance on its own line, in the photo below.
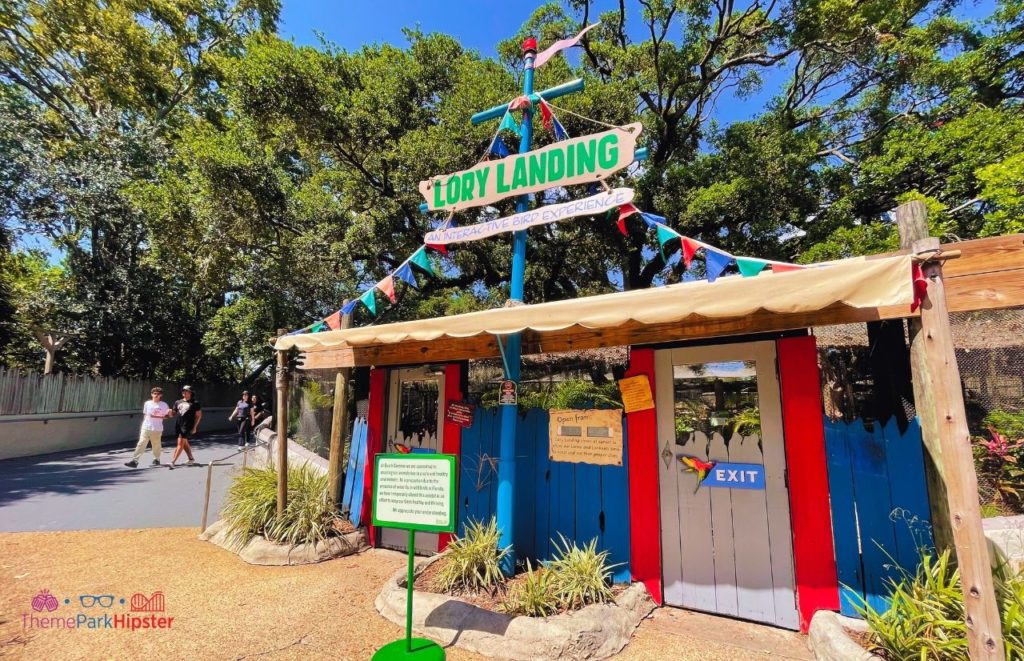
point(926, 617)
point(581, 576)
point(1009, 423)
point(473, 561)
point(533, 594)
point(250, 507)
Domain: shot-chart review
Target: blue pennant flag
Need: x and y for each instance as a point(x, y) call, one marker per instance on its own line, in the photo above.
point(406, 274)
point(715, 262)
point(498, 148)
point(349, 307)
point(652, 220)
point(560, 133)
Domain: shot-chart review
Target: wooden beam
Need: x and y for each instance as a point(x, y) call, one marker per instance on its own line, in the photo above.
point(282, 428)
point(942, 380)
point(339, 422)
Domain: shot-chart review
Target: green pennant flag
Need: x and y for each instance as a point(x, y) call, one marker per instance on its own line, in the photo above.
point(664, 236)
point(508, 122)
point(420, 260)
point(369, 301)
point(750, 266)
point(319, 327)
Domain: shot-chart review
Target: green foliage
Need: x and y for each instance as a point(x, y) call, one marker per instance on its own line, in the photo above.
point(473, 561)
point(1000, 458)
point(747, 422)
point(568, 394)
point(250, 506)
point(581, 576)
point(316, 396)
point(1008, 423)
point(926, 617)
point(532, 594)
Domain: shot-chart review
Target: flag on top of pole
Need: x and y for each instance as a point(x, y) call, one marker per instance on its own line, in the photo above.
point(560, 45)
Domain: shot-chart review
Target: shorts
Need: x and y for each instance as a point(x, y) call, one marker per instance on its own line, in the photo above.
point(183, 432)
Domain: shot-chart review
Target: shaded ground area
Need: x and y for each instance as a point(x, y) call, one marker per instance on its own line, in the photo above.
point(225, 609)
point(92, 488)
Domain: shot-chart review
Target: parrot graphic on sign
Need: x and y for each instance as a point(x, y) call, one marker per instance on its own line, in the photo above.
point(701, 468)
point(402, 448)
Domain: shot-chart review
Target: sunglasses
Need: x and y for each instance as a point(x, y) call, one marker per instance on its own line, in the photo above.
point(90, 600)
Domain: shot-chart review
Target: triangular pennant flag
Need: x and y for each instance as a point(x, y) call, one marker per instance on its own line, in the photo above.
point(920, 286)
point(334, 321)
point(420, 259)
point(750, 266)
point(715, 262)
point(560, 133)
point(387, 285)
point(782, 268)
point(519, 103)
point(438, 247)
point(369, 301)
point(318, 327)
point(664, 236)
point(498, 148)
point(349, 307)
point(509, 122)
point(546, 116)
point(690, 248)
point(406, 274)
point(652, 220)
point(625, 211)
point(560, 45)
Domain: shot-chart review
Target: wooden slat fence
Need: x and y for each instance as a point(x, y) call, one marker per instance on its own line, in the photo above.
point(28, 393)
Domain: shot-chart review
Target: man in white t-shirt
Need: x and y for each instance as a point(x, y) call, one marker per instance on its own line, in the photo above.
point(153, 413)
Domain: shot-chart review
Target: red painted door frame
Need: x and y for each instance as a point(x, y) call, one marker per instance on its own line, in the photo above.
point(374, 441)
point(451, 439)
point(814, 560)
point(644, 501)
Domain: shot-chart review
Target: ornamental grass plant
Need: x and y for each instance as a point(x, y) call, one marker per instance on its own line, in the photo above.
point(580, 576)
point(533, 594)
point(250, 507)
point(473, 561)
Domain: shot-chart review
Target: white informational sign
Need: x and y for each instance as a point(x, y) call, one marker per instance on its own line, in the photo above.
point(588, 206)
point(414, 492)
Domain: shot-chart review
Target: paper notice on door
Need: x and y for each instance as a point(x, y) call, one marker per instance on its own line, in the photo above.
point(591, 436)
point(636, 393)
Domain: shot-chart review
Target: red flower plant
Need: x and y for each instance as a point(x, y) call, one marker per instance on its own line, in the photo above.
point(1001, 447)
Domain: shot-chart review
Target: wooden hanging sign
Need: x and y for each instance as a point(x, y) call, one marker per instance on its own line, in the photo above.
point(587, 436)
point(580, 160)
point(588, 206)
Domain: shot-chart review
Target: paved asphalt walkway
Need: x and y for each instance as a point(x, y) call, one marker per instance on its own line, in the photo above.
point(93, 489)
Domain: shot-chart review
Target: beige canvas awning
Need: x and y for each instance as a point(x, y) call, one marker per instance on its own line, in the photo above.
point(864, 283)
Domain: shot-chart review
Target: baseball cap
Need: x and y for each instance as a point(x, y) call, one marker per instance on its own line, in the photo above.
point(188, 388)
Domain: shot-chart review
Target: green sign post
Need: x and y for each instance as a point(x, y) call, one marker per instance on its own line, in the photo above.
point(413, 492)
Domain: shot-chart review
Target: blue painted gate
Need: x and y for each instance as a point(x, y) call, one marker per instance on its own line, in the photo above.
point(880, 513)
point(580, 501)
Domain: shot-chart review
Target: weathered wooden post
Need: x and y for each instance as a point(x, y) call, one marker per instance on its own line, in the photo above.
point(282, 427)
point(912, 222)
point(339, 424)
point(943, 397)
point(51, 343)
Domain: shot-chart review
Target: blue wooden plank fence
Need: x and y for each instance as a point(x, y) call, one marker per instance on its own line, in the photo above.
point(580, 501)
point(352, 492)
point(880, 513)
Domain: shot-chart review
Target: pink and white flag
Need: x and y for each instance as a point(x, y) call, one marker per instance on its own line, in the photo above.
point(559, 45)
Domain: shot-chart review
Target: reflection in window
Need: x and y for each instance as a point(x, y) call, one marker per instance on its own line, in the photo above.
point(716, 397)
point(417, 411)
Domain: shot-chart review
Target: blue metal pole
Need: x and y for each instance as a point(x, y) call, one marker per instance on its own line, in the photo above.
point(505, 514)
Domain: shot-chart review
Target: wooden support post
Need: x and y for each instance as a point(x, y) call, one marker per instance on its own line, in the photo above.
point(51, 343)
point(282, 428)
point(912, 221)
point(339, 424)
point(941, 380)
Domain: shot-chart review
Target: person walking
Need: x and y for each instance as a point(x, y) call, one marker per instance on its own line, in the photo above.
point(260, 412)
point(189, 412)
point(153, 413)
point(243, 414)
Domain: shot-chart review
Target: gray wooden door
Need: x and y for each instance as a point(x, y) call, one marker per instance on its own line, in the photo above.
point(725, 549)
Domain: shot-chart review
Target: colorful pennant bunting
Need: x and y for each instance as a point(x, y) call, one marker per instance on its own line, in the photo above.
point(715, 262)
point(509, 123)
point(782, 268)
point(560, 133)
point(334, 321)
point(406, 274)
point(318, 327)
point(625, 211)
point(920, 286)
point(420, 260)
point(498, 148)
point(690, 248)
point(369, 300)
point(750, 266)
point(546, 115)
point(438, 247)
point(349, 307)
point(664, 236)
point(652, 220)
point(387, 286)
point(519, 103)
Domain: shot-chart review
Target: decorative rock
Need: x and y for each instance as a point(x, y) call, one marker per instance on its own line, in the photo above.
point(261, 551)
point(829, 641)
point(595, 632)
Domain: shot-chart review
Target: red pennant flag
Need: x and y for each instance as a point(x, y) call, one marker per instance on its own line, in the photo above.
point(387, 285)
point(920, 286)
point(546, 116)
point(690, 248)
point(783, 268)
point(625, 211)
point(438, 247)
point(334, 321)
point(519, 103)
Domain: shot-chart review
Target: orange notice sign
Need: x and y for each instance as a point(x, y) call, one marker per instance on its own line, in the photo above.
point(636, 393)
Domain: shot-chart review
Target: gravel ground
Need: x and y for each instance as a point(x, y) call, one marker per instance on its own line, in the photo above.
point(225, 609)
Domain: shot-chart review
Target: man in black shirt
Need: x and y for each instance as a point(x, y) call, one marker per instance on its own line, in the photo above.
point(189, 412)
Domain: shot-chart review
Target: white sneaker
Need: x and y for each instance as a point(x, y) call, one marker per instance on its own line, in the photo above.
point(191, 462)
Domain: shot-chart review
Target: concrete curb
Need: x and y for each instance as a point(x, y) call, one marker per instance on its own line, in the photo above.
point(828, 639)
point(260, 551)
point(594, 632)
